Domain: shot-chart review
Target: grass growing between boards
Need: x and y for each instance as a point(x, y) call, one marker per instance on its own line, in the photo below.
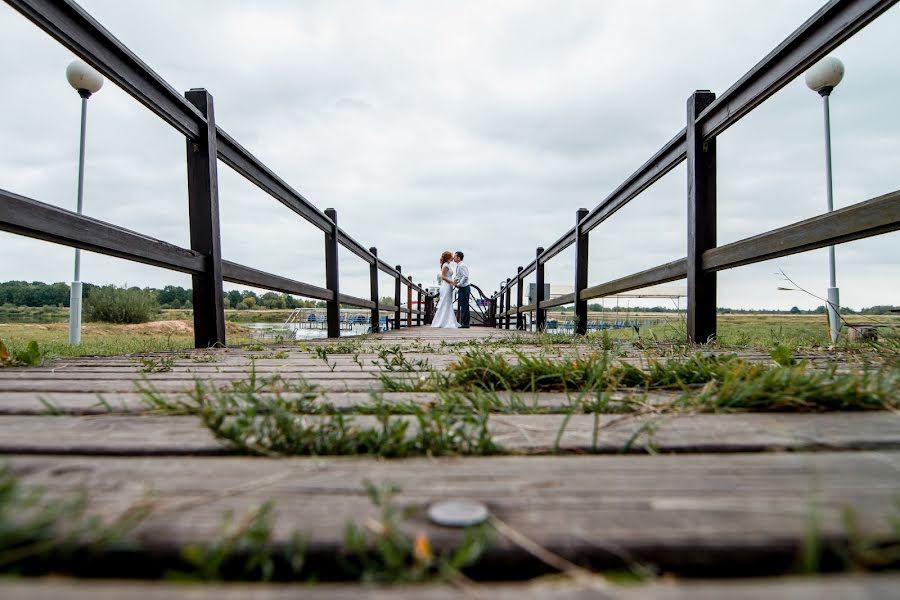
point(856, 551)
point(379, 551)
point(38, 535)
point(271, 416)
point(707, 382)
point(35, 532)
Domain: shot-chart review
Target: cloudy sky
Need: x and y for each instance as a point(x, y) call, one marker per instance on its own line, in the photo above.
point(480, 126)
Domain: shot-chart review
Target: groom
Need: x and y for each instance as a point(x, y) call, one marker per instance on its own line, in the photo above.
point(461, 281)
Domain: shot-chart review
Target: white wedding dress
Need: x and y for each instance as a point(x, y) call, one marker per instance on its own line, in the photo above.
point(444, 316)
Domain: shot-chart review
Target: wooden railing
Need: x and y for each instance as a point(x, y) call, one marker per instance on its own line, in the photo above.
point(707, 117)
point(193, 116)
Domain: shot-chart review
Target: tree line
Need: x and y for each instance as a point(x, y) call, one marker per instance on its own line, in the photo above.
point(36, 293)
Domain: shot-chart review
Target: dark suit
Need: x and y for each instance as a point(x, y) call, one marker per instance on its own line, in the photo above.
point(463, 297)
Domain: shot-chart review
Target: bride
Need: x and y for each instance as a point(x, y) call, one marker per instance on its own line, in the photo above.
point(444, 316)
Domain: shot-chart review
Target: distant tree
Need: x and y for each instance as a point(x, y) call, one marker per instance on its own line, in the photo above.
point(119, 305)
point(234, 298)
point(795, 310)
point(272, 300)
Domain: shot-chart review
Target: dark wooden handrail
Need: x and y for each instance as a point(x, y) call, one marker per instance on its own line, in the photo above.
point(708, 117)
point(192, 116)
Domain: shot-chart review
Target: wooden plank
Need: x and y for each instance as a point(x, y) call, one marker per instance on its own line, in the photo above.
point(355, 247)
point(251, 168)
point(534, 434)
point(236, 273)
point(566, 240)
point(832, 25)
point(672, 271)
point(348, 300)
point(581, 273)
point(374, 316)
point(75, 29)
point(34, 219)
point(701, 223)
point(847, 587)
point(666, 158)
point(864, 219)
point(89, 403)
point(558, 301)
point(203, 203)
point(332, 276)
point(681, 513)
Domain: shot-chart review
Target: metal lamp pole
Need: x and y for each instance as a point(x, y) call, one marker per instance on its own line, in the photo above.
point(86, 81)
point(823, 77)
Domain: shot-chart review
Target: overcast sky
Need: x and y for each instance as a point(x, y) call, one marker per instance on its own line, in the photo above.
point(480, 126)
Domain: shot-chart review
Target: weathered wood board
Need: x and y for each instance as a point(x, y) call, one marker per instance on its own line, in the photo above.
point(716, 511)
point(186, 435)
point(845, 587)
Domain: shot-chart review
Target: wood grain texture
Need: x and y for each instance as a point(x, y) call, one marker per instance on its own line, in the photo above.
point(685, 513)
point(535, 434)
point(845, 587)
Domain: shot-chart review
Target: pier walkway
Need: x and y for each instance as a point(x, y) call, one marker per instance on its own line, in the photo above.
point(578, 481)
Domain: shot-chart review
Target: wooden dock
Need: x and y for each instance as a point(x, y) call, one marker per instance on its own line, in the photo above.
point(689, 495)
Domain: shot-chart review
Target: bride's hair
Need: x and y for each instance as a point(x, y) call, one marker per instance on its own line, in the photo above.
point(446, 256)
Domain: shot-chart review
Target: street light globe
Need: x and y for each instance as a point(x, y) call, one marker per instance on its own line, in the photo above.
point(824, 76)
point(83, 77)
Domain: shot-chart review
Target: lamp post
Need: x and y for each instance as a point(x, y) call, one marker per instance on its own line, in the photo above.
point(823, 77)
point(86, 81)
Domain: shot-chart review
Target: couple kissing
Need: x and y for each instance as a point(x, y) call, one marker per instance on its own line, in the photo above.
point(454, 275)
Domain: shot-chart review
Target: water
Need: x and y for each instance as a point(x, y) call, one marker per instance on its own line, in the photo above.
point(300, 331)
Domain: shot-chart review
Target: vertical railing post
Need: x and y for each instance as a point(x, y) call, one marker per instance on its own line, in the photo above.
point(203, 203)
point(419, 306)
point(409, 314)
point(500, 299)
point(520, 317)
point(581, 273)
point(540, 313)
point(333, 306)
point(397, 299)
point(429, 309)
point(508, 302)
point(494, 310)
point(375, 316)
point(701, 223)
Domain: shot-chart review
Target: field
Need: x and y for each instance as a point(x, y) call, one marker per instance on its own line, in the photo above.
point(103, 339)
point(48, 327)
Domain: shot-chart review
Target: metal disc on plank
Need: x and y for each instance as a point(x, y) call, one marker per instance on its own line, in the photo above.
point(458, 513)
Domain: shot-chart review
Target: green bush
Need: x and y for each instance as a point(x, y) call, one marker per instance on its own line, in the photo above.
point(113, 304)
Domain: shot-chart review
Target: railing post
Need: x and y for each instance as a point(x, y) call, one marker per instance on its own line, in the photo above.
point(540, 313)
point(409, 314)
point(203, 203)
point(701, 223)
point(333, 306)
point(498, 308)
point(581, 273)
point(397, 299)
point(508, 298)
point(429, 309)
point(419, 318)
point(375, 317)
point(520, 318)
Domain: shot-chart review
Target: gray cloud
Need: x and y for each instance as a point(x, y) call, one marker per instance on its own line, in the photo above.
point(433, 126)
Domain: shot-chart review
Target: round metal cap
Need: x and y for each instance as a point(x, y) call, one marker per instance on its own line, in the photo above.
point(458, 513)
